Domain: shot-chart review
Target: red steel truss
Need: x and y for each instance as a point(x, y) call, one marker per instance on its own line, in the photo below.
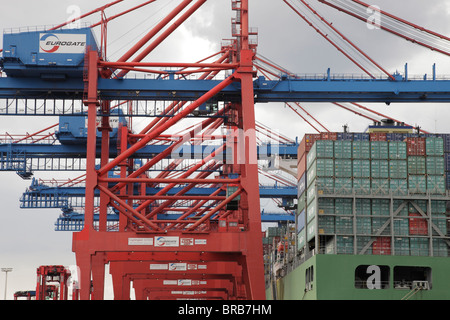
point(216, 241)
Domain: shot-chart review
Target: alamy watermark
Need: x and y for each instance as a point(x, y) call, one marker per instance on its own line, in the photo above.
point(232, 146)
point(373, 22)
point(74, 12)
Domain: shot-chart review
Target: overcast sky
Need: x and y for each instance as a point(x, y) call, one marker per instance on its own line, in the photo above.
point(27, 237)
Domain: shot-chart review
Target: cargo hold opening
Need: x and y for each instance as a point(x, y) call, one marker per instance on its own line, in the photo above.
point(408, 277)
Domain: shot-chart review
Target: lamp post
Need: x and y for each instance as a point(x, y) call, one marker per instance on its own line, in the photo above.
point(6, 270)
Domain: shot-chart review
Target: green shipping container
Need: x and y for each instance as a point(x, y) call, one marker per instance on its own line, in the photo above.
point(397, 150)
point(416, 165)
point(344, 225)
point(441, 225)
point(361, 185)
point(400, 208)
point(378, 223)
point(326, 206)
point(320, 149)
point(398, 169)
point(301, 203)
point(310, 194)
point(435, 165)
point(344, 245)
point(311, 211)
point(326, 225)
point(415, 205)
point(419, 246)
point(301, 239)
point(320, 168)
point(361, 149)
point(363, 242)
point(361, 168)
point(417, 184)
point(434, 146)
point(438, 207)
point(363, 225)
point(343, 168)
point(343, 206)
point(273, 232)
point(379, 150)
point(401, 226)
point(401, 246)
point(363, 207)
point(380, 207)
point(343, 149)
point(325, 184)
point(343, 185)
point(380, 186)
point(440, 248)
point(398, 186)
point(436, 184)
point(380, 169)
point(311, 230)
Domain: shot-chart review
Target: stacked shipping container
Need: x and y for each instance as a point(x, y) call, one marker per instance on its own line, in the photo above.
point(377, 193)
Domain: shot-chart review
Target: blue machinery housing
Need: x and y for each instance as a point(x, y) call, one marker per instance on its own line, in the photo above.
point(50, 55)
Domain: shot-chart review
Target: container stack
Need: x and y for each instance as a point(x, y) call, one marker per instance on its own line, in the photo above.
point(373, 193)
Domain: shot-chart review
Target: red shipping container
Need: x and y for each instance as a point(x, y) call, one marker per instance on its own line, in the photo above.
point(377, 136)
point(382, 246)
point(301, 167)
point(328, 136)
point(418, 226)
point(415, 146)
point(306, 144)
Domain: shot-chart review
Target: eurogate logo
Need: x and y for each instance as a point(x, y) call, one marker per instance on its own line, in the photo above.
point(46, 43)
point(62, 43)
point(163, 241)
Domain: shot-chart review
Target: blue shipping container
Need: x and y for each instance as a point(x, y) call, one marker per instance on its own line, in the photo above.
point(301, 221)
point(395, 136)
point(361, 137)
point(446, 138)
point(344, 136)
point(301, 186)
point(447, 161)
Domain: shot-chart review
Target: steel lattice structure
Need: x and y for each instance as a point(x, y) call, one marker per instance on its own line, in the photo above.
point(140, 229)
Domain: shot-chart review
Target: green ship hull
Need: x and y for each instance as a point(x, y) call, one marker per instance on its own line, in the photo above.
point(364, 277)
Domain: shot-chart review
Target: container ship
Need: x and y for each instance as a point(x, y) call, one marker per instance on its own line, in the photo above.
point(371, 220)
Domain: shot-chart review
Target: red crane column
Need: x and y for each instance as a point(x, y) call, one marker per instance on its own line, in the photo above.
point(239, 241)
point(252, 259)
point(83, 258)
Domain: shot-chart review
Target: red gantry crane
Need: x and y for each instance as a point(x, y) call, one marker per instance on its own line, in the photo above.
point(226, 235)
point(52, 283)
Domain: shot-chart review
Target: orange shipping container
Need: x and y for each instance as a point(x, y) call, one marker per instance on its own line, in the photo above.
point(306, 144)
point(301, 167)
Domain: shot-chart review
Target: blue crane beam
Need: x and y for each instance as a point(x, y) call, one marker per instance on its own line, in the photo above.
point(42, 196)
point(114, 217)
point(325, 89)
point(149, 151)
point(52, 197)
point(75, 221)
point(27, 158)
